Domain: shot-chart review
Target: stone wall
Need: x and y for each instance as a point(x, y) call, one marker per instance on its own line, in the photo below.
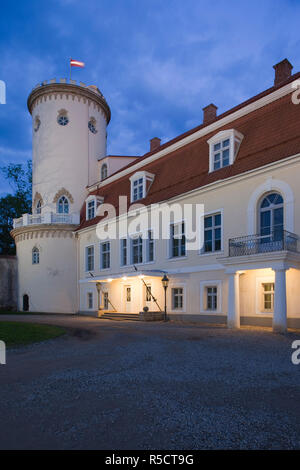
point(8, 282)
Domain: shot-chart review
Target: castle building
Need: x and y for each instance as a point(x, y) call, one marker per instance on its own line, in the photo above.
point(242, 167)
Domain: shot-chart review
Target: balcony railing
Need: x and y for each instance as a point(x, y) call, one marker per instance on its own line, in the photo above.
point(47, 218)
point(278, 240)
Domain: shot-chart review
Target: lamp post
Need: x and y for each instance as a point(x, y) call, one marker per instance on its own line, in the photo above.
point(165, 283)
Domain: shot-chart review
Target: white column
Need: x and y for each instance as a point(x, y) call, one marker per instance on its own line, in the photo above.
point(233, 314)
point(279, 317)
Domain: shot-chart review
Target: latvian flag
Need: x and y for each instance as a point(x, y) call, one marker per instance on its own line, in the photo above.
point(76, 63)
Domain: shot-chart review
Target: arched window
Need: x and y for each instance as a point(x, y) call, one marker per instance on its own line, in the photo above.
point(271, 217)
point(63, 205)
point(38, 207)
point(103, 171)
point(35, 256)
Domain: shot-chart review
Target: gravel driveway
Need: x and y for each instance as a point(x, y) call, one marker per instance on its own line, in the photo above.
point(131, 385)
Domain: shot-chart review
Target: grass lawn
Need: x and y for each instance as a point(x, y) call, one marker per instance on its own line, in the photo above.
point(18, 333)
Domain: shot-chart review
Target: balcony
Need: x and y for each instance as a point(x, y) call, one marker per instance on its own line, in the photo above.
point(47, 218)
point(278, 240)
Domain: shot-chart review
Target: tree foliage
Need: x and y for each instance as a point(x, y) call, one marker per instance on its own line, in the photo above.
point(14, 205)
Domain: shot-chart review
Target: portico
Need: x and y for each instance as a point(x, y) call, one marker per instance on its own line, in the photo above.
point(277, 264)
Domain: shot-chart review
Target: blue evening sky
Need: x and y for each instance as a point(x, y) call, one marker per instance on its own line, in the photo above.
point(158, 63)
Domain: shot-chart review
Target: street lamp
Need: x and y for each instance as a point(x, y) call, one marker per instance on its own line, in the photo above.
point(165, 283)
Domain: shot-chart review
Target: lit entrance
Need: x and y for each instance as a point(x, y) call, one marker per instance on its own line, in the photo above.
point(128, 299)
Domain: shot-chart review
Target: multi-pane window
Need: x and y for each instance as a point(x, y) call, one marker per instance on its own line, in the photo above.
point(150, 247)
point(177, 298)
point(90, 210)
point(211, 298)
point(268, 296)
point(63, 205)
point(35, 256)
point(105, 300)
point(104, 171)
point(124, 259)
point(177, 240)
point(212, 233)
point(39, 207)
point(137, 250)
point(221, 152)
point(105, 255)
point(90, 300)
point(89, 258)
point(271, 218)
point(138, 189)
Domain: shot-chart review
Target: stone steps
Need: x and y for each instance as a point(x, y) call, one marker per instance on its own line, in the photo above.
point(120, 316)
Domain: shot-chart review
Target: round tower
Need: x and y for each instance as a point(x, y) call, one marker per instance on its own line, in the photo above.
point(69, 137)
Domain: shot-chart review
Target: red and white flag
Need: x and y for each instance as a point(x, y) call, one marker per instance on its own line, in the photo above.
point(76, 63)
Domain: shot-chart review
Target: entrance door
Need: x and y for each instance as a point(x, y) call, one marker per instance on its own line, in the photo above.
point(128, 299)
point(25, 303)
point(148, 298)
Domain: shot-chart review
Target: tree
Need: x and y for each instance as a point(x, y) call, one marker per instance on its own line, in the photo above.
point(14, 205)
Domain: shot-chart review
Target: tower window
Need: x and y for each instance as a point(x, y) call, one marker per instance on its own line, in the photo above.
point(104, 172)
point(35, 256)
point(63, 119)
point(37, 124)
point(38, 208)
point(92, 126)
point(63, 205)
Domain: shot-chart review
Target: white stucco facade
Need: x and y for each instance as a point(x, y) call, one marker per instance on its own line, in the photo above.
point(248, 277)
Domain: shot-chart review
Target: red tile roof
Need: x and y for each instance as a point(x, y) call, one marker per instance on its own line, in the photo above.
point(271, 133)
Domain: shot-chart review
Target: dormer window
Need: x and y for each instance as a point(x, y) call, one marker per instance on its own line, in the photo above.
point(92, 203)
point(140, 185)
point(223, 149)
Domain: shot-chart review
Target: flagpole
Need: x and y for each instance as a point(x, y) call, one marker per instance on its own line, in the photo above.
point(70, 69)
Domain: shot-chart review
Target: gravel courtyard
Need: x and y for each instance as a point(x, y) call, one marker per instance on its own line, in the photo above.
point(130, 385)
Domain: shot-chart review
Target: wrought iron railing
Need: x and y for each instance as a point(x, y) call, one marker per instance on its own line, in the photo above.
point(277, 240)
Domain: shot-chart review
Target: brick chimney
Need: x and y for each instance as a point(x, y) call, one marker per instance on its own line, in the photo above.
point(283, 71)
point(209, 113)
point(154, 143)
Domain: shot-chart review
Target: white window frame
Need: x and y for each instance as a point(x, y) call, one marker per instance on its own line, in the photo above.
point(148, 243)
point(107, 252)
point(67, 203)
point(127, 252)
point(86, 258)
point(89, 295)
point(146, 177)
point(235, 138)
point(203, 299)
point(131, 240)
point(209, 214)
point(259, 293)
point(97, 200)
point(170, 241)
point(35, 255)
point(101, 169)
point(176, 285)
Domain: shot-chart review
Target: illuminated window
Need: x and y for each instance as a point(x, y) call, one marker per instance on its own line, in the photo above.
point(268, 296)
